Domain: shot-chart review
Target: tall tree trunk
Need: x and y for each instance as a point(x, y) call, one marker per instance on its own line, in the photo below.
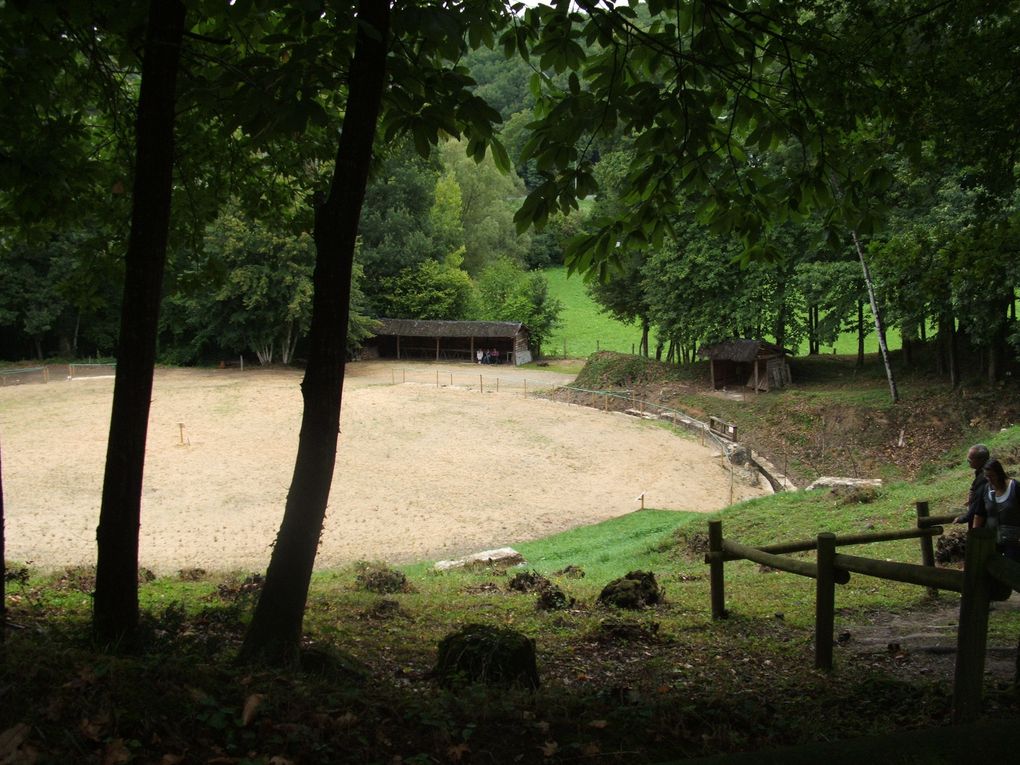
point(275, 631)
point(909, 340)
point(813, 344)
point(779, 328)
point(115, 613)
point(876, 314)
point(3, 557)
point(948, 361)
point(996, 356)
point(860, 334)
point(645, 327)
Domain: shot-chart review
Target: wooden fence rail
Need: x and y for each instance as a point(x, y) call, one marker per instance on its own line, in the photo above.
point(986, 576)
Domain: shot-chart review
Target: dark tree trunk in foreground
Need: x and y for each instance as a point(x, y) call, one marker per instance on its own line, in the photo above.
point(275, 632)
point(115, 614)
point(3, 558)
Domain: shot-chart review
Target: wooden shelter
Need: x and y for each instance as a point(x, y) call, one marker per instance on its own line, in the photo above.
point(756, 364)
point(450, 340)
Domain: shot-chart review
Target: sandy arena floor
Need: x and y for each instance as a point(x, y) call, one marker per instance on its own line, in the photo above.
point(429, 467)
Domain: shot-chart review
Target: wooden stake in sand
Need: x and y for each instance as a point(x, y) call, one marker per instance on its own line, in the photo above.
point(181, 426)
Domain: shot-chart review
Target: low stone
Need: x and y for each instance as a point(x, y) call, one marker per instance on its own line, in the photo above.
point(836, 483)
point(503, 557)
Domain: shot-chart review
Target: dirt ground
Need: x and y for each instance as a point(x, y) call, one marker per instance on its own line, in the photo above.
point(433, 463)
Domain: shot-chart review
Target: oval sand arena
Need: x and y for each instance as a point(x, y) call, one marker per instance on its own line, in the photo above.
point(426, 469)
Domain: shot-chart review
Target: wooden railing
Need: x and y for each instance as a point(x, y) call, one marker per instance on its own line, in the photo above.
point(986, 576)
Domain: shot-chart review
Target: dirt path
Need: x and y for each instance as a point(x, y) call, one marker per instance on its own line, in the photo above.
point(430, 466)
point(923, 640)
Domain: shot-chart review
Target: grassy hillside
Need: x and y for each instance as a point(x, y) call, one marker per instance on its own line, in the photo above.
point(835, 419)
point(586, 330)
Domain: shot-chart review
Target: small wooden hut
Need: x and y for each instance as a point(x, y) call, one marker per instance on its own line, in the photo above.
point(755, 364)
point(450, 340)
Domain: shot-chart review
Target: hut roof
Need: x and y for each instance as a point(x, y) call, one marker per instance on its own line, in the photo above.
point(437, 328)
point(740, 350)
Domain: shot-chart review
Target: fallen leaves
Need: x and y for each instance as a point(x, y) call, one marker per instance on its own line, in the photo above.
point(251, 707)
point(12, 746)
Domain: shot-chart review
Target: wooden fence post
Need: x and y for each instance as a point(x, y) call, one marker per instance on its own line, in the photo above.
point(715, 570)
point(825, 600)
point(973, 629)
point(927, 546)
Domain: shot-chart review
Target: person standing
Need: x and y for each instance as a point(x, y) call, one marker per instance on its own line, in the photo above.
point(1001, 510)
point(977, 458)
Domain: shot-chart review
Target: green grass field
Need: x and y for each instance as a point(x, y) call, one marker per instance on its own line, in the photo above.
point(584, 329)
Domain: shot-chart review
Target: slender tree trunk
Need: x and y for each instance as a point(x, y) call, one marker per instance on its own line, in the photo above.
point(948, 361)
point(813, 344)
point(909, 339)
point(879, 327)
point(115, 613)
point(645, 327)
point(860, 334)
point(3, 558)
point(996, 357)
point(275, 631)
point(779, 329)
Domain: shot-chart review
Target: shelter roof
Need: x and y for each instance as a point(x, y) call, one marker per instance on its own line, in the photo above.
point(739, 349)
point(437, 328)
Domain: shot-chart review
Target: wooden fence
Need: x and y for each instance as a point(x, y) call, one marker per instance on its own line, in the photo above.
point(986, 576)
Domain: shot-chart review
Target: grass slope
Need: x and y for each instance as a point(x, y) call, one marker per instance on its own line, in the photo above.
point(584, 329)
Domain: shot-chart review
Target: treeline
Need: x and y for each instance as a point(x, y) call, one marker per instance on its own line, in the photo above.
point(930, 217)
point(943, 272)
point(437, 241)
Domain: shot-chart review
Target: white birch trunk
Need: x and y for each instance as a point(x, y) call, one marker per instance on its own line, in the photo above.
point(879, 327)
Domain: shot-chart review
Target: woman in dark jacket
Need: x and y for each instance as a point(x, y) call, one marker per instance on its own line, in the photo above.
point(1002, 509)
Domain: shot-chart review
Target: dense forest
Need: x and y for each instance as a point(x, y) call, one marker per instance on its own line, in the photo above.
point(180, 181)
point(925, 195)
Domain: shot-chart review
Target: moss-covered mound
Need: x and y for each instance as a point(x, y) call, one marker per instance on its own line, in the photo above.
point(480, 653)
point(607, 370)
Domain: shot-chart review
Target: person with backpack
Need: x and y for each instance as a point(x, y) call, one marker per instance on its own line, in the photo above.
point(1001, 510)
